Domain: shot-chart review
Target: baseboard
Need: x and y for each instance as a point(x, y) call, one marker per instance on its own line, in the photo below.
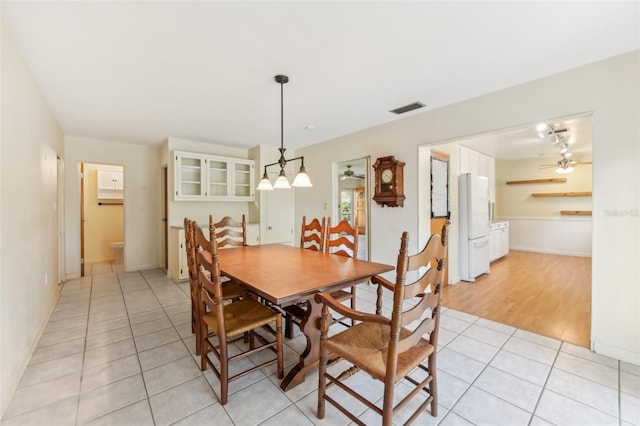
point(545, 251)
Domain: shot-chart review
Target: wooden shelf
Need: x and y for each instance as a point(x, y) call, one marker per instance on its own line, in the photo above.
point(575, 212)
point(519, 182)
point(561, 194)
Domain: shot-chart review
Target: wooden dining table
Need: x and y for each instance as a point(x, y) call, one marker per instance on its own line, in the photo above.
point(285, 275)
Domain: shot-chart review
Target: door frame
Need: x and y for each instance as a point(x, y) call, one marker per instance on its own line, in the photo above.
point(335, 195)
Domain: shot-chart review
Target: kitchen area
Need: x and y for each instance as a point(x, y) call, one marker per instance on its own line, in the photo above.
point(483, 239)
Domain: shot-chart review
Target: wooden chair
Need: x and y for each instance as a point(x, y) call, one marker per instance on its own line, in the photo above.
point(229, 322)
point(312, 237)
point(342, 240)
point(196, 241)
point(230, 232)
point(384, 347)
point(313, 234)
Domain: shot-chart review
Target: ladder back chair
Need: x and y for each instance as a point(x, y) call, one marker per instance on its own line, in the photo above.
point(230, 232)
point(230, 322)
point(196, 241)
point(312, 237)
point(342, 240)
point(384, 347)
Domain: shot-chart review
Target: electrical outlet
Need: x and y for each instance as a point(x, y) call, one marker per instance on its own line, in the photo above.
point(46, 280)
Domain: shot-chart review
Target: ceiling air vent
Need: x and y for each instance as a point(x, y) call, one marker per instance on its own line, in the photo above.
point(407, 108)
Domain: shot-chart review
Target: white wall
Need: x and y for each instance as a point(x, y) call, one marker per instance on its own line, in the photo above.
point(142, 206)
point(610, 90)
point(516, 200)
point(31, 141)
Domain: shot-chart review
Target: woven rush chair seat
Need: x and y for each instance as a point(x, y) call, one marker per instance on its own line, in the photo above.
point(242, 316)
point(195, 242)
point(389, 349)
point(367, 344)
point(229, 322)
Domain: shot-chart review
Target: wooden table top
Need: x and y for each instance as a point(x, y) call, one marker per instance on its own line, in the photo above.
point(285, 275)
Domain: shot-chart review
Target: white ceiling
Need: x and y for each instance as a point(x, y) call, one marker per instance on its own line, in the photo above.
point(142, 71)
point(524, 142)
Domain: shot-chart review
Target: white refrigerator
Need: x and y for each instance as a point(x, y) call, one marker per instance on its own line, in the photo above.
point(473, 230)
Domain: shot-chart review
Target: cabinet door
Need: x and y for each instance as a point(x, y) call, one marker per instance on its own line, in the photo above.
point(504, 242)
point(494, 240)
point(491, 174)
point(243, 181)
point(218, 175)
point(189, 177)
point(183, 267)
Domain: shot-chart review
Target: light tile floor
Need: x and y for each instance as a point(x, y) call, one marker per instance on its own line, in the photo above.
point(118, 350)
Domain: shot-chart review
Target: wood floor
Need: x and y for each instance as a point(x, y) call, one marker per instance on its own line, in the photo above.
point(543, 293)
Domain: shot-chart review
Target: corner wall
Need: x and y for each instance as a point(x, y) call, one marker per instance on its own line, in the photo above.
point(31, 141)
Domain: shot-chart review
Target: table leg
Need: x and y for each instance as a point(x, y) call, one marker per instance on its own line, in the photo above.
point(311, 355)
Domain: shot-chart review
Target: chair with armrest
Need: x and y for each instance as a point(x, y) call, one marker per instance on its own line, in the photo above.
point(384, 347)
point(196, 241)
point(230, 322)
point(312, 237)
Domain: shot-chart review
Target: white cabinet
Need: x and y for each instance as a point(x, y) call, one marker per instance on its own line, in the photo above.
point(189, 176)
point(201, 177)
point(253, 234)
point(110, 184)
point(498, 240)
point(479, 164)
point(182, 272)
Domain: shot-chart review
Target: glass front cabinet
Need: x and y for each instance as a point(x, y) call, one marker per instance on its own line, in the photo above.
point(201, 177)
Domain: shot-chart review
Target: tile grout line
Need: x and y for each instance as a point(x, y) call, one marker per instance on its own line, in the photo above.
point(202, 374)
point(84, 351)
point(124, 300)
point(482, 371)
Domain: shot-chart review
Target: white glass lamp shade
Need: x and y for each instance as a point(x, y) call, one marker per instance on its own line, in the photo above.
point(564, 170)
point(302, 179)
point(265, 184)
point(282, 182)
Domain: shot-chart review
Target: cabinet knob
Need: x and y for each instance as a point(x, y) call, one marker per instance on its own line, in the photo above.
point(269, 228)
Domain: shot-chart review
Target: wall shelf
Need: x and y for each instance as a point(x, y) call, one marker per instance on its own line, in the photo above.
point(561, 194)
point(519, 182)
point(575, 212)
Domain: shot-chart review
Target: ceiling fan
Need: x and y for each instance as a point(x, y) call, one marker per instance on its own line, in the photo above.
point(565, 165)
point(350, 174)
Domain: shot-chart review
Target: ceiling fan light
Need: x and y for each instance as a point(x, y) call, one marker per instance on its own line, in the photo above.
point(543, 129)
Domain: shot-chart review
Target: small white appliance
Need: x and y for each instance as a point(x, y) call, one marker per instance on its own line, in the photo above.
point(473, 228)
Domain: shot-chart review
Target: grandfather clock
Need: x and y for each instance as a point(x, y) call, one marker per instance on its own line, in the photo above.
point(389, 181)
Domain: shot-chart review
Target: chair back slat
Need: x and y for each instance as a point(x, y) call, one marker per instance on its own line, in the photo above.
point(312, 235)
point(229, 232)
point(426, 327)
point(342, 239)
point(427, 280)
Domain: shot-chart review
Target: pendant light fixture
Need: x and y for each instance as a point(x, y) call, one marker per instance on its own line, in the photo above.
point(302, 179)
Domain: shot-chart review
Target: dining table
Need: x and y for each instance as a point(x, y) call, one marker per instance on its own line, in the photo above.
point(285, 275)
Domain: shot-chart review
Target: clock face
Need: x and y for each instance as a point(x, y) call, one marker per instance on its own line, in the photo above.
point(387, 175)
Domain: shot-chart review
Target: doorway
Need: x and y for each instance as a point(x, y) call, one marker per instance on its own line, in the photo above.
point(554, 228)
point(102, 245)
point(351, 190)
